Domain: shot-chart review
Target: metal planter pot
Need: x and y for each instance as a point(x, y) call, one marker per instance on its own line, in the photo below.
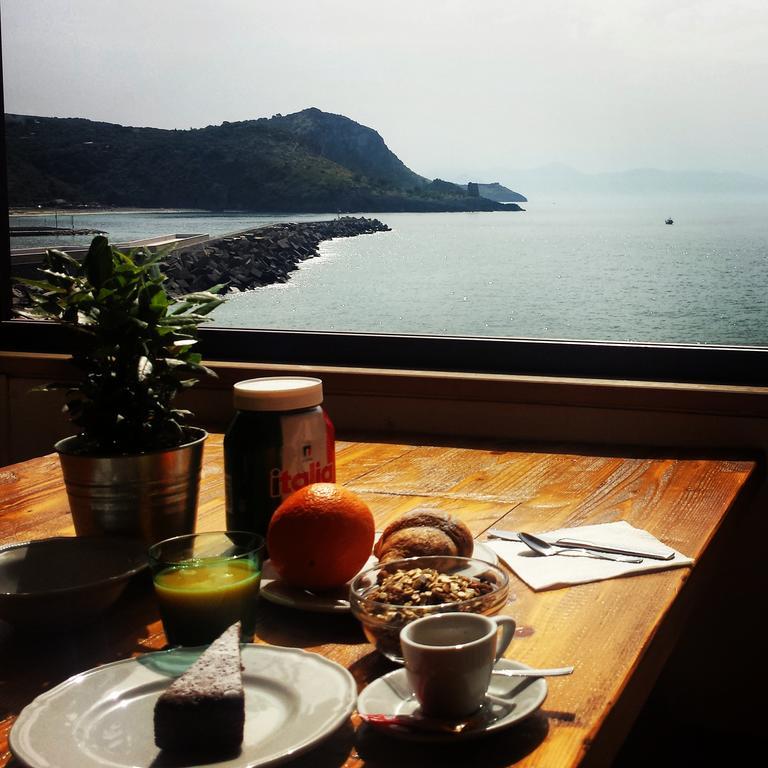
point(150, 496)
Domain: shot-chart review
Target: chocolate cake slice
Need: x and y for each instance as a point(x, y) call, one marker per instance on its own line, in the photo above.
point(203, 710)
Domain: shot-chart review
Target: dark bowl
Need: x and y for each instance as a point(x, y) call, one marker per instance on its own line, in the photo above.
point(58, 581)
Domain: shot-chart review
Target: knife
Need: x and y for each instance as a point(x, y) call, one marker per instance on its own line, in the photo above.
point(498, 533)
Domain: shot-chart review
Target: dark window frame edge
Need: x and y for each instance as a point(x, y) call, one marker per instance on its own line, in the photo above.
point(5, 261)
point(693, 364)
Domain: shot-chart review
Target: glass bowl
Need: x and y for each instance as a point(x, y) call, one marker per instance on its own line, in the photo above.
point(383, 619)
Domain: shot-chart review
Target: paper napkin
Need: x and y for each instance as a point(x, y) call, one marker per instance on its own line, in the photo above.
point(542, 573)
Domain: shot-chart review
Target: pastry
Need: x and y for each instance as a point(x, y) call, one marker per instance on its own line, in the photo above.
point(424, 532)
point(204, 709)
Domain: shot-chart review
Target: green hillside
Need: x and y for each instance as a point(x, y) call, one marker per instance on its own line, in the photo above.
point(311, 161)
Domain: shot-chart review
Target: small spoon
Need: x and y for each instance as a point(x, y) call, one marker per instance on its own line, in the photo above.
point(417, 722)
point(547, 549)
point(554, 672)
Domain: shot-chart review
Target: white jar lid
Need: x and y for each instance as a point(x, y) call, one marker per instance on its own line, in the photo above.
point(278, 393)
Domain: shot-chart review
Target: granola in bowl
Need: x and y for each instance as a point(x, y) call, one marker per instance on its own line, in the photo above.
point(389, 596)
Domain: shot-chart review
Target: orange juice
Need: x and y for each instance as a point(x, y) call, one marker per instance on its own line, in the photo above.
point(199, 599)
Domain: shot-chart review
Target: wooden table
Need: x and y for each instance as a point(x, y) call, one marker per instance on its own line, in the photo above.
point(617, 633)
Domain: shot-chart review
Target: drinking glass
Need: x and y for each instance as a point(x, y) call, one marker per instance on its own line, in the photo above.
point(205, 582)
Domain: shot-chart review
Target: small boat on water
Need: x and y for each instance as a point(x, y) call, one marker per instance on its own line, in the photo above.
point(668, 221)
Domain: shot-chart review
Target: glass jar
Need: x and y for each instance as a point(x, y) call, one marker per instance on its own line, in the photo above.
point(279, 440)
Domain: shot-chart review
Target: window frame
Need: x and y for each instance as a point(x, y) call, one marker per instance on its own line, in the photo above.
point(738, 366)
point(741, 366)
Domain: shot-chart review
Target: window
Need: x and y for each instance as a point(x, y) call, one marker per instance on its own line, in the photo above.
point(587, 281)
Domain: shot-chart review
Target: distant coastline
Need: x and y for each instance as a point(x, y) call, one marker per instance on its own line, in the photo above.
point(95, 211)
point(310, 162)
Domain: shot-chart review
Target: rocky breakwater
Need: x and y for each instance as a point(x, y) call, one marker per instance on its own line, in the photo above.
point(259, 256)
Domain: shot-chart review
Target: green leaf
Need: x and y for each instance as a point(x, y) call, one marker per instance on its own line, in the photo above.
point(103, 294)
point(179, 307)
point(209, 307)
point(180, 321)
point(59, 261)
point(139, 322)
point(145, 368)
point(80, 297)
point(200, 297)
point(153, 300)
point(98, 261)
point(172, 362)
point(34, 313)
point(59, 279)
point(43, 285)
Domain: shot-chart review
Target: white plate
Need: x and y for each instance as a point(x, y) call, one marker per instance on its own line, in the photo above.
point(510, 700)
point(334, 601)
point(104, 717)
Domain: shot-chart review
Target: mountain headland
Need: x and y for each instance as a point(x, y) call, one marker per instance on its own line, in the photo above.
point(499, 193)
point(309, 161)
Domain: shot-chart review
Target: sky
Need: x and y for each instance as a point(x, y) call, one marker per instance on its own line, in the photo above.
point(458, 89)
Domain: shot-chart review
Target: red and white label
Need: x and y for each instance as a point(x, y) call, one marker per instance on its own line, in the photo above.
point(308, 454)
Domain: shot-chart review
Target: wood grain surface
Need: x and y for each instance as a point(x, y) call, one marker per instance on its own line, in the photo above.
point(617, 633)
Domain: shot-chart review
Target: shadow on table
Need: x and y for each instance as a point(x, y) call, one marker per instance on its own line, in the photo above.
point(332, 753)
point(278, 625)
point(371, 666)
point(488, 751)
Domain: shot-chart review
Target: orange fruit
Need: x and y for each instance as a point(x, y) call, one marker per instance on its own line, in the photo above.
point(320, 536)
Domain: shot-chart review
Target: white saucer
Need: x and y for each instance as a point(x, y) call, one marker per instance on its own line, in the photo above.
point(104, 717)
point(335, 601)
point(510, 700)
point(274, 589)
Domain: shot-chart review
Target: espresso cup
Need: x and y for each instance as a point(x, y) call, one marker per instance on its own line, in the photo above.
point(449, 659)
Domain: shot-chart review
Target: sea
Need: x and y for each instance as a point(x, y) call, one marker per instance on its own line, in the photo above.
point(603, 269)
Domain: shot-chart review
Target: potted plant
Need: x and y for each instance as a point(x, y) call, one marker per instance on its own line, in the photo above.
point(133, 469)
